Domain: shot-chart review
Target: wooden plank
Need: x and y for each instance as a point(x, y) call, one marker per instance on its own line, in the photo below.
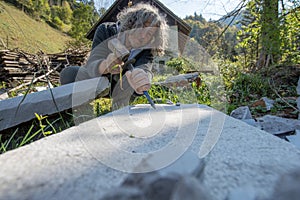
point(9, 57)
point(11, 65)
point(10, 53)
point(4, 50)
point(11, 74)
point(12, 68)
point(10, 62)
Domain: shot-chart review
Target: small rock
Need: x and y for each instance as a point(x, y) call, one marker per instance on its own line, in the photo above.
point(141, 180)
point(298, 87)
point(277, 125)
point(190, 188)
point(264, 102)
point(287, 187)
point(251, 122)
point(269, 103)
point(162, 188)
point(298, 106)
point(241, 113)
point(4, 96)
point(124, 193)
point(295, 139)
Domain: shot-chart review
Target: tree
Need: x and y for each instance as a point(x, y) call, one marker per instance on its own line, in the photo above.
point(84, 17)
point(249, 35)
point(290, 34)
point(26, 5)
point(208, 35)
point(270, 33)
point(66, 12)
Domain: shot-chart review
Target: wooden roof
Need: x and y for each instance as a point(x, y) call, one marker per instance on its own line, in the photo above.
point(172, 19)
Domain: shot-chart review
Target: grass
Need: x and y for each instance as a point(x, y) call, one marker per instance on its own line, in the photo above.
point(18, 30)
point(36, 129)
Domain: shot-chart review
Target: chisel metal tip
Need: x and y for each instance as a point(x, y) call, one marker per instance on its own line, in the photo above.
point(149, 99)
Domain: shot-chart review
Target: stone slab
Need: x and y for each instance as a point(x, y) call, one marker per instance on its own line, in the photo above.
point(277, 125)
point(87, 160)
point(20, 109)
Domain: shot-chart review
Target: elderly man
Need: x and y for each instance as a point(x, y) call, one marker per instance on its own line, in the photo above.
point(141, 29)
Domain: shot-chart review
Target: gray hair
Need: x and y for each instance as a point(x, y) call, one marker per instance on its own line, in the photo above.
point(137, 15)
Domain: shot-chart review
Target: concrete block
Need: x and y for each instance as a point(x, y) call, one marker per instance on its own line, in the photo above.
point(20, 109)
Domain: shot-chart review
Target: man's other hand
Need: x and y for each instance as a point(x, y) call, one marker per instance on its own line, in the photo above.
point(138, 80)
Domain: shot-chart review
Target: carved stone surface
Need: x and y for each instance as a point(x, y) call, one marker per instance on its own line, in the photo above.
point(94, 159)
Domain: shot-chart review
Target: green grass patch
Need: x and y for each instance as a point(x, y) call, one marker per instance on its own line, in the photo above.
point(18, 30)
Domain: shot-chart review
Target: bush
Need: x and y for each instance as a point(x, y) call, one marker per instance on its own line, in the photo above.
point(181, 65)
point(57, 22)
point(248, 87)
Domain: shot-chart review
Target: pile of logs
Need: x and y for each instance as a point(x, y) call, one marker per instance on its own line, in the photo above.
point(18, 65)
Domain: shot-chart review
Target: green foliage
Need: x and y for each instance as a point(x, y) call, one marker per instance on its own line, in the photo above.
point(26, 5)
point(196, 93)
point(74, 17)
point(58, 23)
point(202, 93)
point(83, 19)
point(159, 94)
point(269, 34)
point(102, 106)
point(63, 13)
point(249, 35)
point(247, 88)
point(19, 30)
point(270, 30)
point(66, 13)
point(40, 118)
point(41, 127)
point(228, 43)
point(208, 35)
point(196, 17)
point(229, 72)
point(41, 9)
point(291, 38)
point(181, 65)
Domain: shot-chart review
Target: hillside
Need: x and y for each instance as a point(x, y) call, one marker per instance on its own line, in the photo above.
point(18, 30)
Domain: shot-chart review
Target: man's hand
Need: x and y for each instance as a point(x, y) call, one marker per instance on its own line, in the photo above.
point(138, 79)
point(111, 64)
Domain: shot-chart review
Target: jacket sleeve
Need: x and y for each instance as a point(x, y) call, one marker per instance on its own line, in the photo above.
point(99, 48)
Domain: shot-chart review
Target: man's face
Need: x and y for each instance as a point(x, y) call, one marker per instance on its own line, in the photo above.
point(141, 37)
